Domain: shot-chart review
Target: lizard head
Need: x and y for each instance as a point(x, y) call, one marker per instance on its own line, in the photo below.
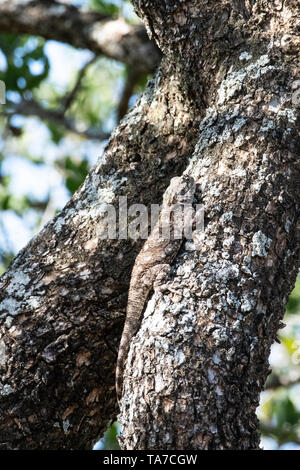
point(181, 190)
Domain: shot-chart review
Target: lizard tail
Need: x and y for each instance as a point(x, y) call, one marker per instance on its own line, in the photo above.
point(122, 356)
point(131, 326)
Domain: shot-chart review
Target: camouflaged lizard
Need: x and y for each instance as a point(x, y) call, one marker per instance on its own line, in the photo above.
point(153, 263)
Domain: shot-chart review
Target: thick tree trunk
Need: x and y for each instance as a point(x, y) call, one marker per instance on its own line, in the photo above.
point(102, 34)
point(200, 359)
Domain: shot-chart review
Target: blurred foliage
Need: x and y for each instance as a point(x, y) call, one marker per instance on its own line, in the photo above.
point(109, 440)
point(114, 8)
point(96, 102)
point(26, 69)
point(104, 6)
point(293, 307)
point(284, 416)
point(279, 411)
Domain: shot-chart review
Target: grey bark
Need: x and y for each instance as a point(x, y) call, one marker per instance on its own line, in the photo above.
point(199, 361)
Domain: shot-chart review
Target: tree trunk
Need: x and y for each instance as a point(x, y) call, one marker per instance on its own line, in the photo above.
point(200, 359)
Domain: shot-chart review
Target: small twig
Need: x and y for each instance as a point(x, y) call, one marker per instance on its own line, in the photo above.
point(132, 79)
point(69, 98)
point(33, 108)
point(275, 382)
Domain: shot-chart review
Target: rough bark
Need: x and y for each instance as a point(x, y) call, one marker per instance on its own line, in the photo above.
point(102, 34)
point(200, 359)
point(63, 298)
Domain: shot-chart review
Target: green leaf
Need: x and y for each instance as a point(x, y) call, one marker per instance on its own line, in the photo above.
point(104, 6)
point(56, 131)
point(75, 172)
point(109, 440)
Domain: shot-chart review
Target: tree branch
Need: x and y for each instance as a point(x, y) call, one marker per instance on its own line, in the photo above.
point(113, 38)
point(33, 108)
point(69, 98)
point(131, 81)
